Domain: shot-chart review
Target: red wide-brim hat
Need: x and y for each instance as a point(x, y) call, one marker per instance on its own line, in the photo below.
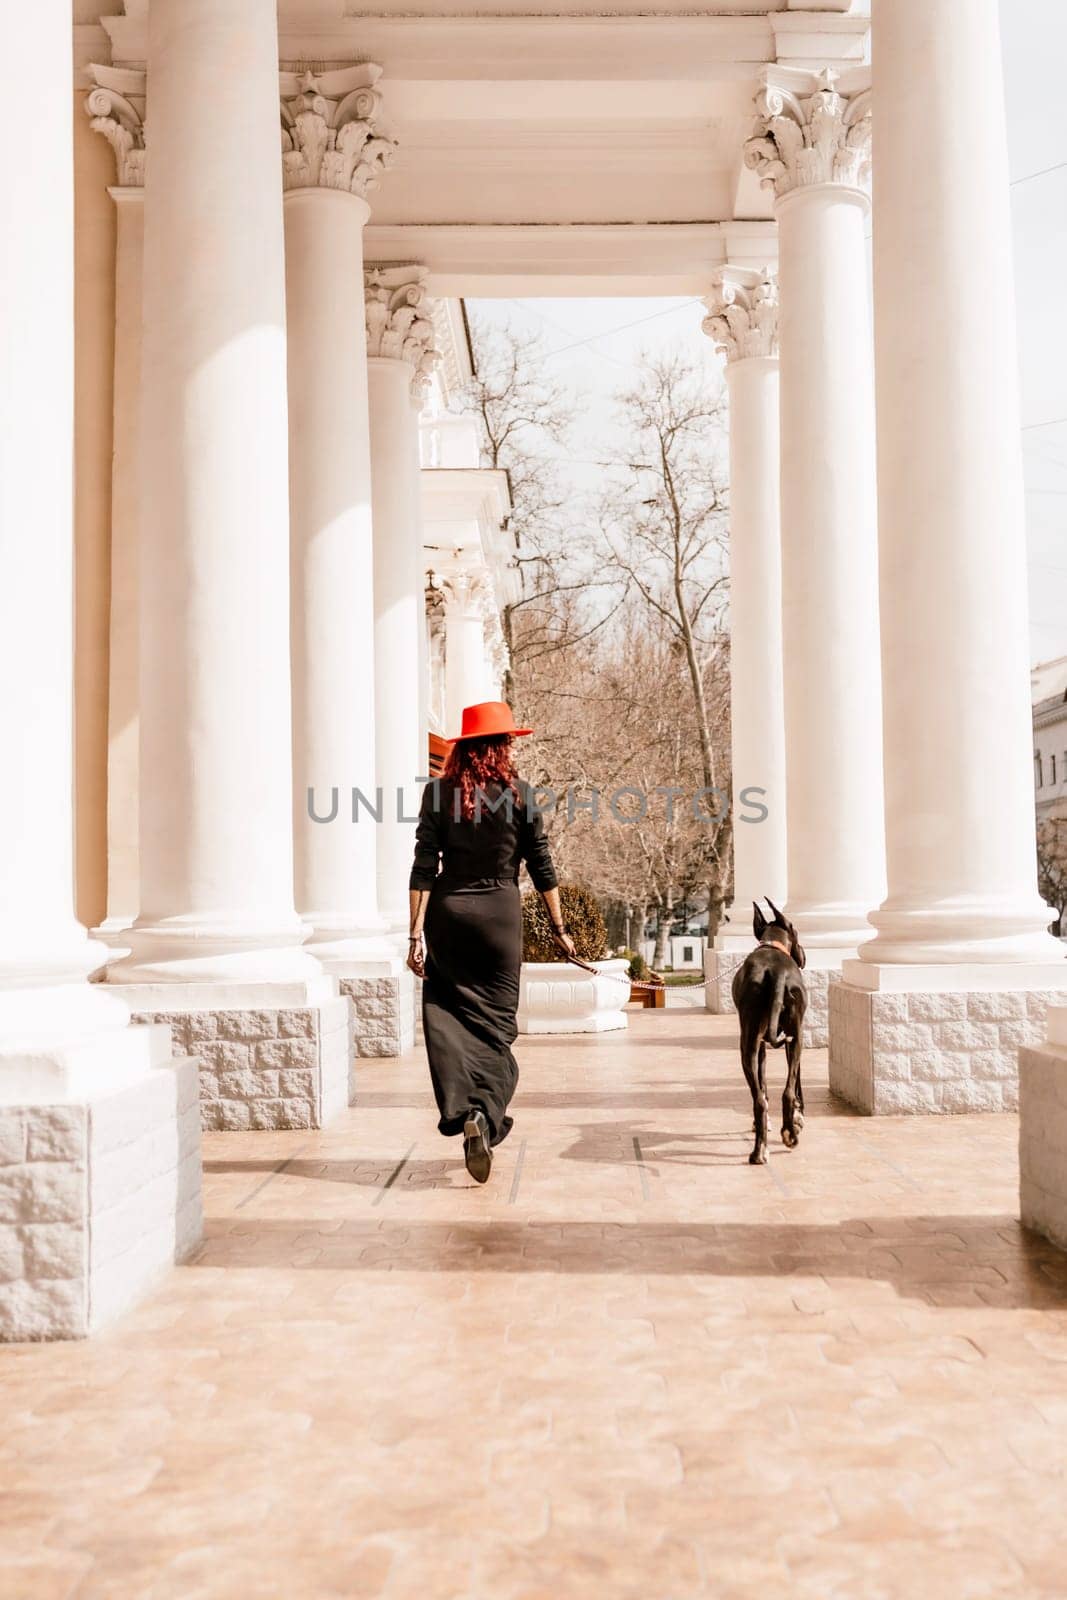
point(487, 719)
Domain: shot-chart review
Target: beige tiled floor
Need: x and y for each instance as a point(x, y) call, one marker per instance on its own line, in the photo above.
point(631, 1367)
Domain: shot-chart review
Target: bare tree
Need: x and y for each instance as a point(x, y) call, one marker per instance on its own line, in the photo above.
point(622, 665)
point(1052, 863)
point(617, 721)
point(526, 418)
point(664, 522)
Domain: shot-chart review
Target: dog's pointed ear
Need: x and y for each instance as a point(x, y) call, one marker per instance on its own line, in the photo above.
point(759, 922)
point(779, 916)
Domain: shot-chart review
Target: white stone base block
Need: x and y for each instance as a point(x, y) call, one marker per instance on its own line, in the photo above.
point(271, 1056)
point(925, 1050)
point(557, 998)
point(99, 1196)
point(383, 1008)
point(720, 967)
point(1043, 1132)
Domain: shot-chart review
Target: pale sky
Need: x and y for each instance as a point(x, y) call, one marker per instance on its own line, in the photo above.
point(597, 341)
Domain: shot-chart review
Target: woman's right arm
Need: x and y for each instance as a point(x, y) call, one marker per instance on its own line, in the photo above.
point(428, 843)
point(555, 912)
point(539, 864)
point(417, 899)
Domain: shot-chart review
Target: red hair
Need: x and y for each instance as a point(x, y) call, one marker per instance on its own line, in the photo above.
point(473, 764)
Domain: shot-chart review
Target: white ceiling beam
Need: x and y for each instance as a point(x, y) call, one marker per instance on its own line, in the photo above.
point(501, 261)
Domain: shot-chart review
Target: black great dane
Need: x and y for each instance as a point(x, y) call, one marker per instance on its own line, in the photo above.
point(771, 999)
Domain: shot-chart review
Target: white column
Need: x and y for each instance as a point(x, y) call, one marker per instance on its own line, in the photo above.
point(955, 662)
point(743, 321)
point(44, 952)
point(123, 866)
point(400, 342)
point(467, 679)
point(215, 755)
point(812, 146)
point(116, 107)
point(497, 659)
point(434, 683)
point(332, 158)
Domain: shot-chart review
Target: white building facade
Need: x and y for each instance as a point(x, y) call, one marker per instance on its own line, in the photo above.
point(1049, 689)
point(231, 351)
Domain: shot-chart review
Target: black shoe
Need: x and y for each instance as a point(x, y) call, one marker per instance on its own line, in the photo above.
point(476, 1152)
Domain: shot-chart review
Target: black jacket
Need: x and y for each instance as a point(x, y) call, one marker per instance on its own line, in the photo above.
point(491, 846)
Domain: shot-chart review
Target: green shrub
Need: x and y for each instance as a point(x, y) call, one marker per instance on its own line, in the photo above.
point(638, 966)
point(581, 917)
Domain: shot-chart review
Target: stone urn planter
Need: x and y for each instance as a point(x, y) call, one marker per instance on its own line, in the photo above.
point(555, 997)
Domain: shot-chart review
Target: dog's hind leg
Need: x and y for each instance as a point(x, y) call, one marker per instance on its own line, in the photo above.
point(799, 1052)
point(752, 1059)
point(792, 1099)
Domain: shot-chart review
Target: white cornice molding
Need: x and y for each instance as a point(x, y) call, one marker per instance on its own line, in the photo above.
point(484, 39)
point(400, 321)
point(116, 106)
point(553, 10)
point(452, 338)
point(330, 130)
point(465, 494)
point(1050, 714)
point(647, 45)
point(810, 129)
point(816, 38)
point(91, 44)
point(743, 314)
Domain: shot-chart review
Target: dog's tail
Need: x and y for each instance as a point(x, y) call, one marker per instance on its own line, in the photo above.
point(774, 1038)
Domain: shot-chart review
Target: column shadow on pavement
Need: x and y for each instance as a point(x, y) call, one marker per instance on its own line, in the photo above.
point(934, 1259)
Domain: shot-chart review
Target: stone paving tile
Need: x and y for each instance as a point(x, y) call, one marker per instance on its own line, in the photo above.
point(632, 1366)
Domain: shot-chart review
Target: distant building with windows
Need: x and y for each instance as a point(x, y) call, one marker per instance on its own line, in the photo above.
point(1049, 695)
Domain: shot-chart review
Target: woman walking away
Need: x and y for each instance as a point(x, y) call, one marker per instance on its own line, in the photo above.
point(478, 823)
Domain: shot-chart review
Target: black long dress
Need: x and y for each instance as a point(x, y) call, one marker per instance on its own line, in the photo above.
point(474, 945)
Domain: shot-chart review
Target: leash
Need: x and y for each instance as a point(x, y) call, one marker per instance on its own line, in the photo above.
point(615, 977)
point(642, 983)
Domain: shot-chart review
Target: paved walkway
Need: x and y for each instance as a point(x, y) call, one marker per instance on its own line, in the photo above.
point(633, 1368)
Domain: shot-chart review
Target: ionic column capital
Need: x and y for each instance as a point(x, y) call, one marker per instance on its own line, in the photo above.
point(742, 314)
point(330, 133)
point(808, 131)
point(400, 323)
point(115, 106)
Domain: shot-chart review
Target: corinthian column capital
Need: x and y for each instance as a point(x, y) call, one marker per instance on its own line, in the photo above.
point(400, 320)
point(330, 135)
point(742, 314)
point(469, 593)
point(115, 106)
point(808, 131)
